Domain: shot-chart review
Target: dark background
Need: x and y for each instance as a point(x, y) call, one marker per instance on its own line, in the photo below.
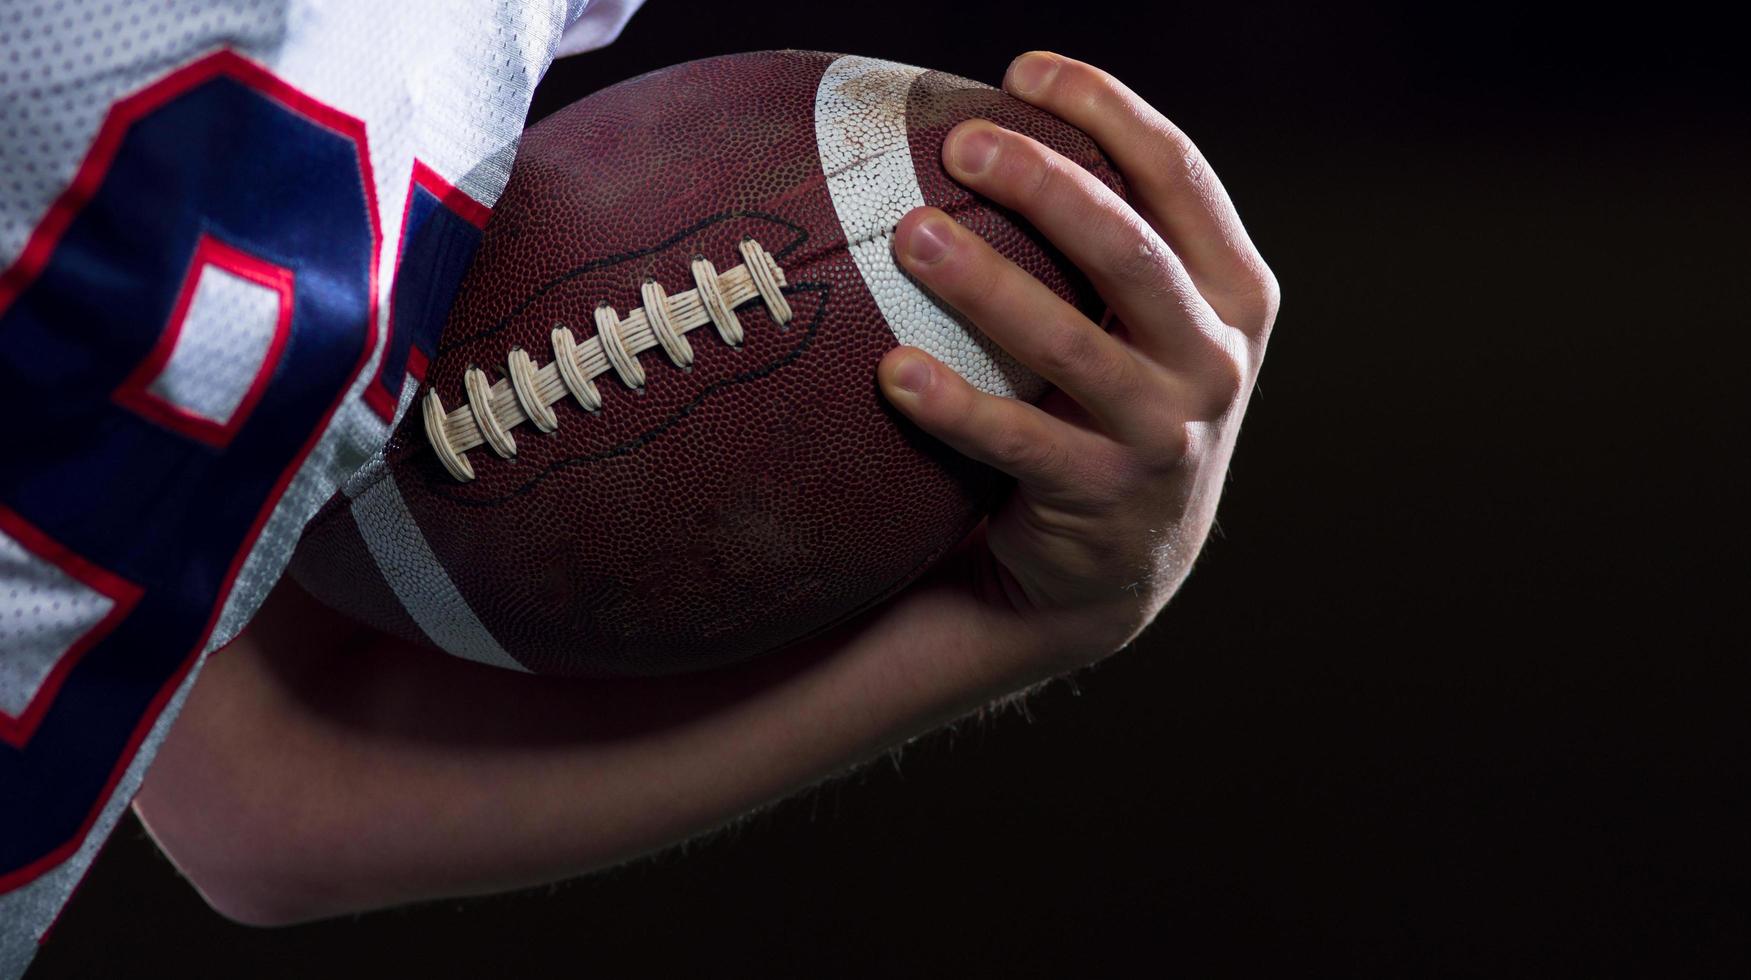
point(1457, 689)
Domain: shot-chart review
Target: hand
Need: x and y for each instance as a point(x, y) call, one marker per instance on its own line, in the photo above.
point(1118, 470)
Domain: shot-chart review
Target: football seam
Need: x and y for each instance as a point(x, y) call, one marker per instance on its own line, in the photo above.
point(809, 261)
point(526, 393)
point(447, 492)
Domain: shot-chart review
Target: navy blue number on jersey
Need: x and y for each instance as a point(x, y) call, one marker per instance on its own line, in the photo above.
point(440, 232)
point(223, 158)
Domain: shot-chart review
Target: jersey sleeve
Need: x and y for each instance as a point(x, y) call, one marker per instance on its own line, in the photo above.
point(600, 22)
point(229, 234)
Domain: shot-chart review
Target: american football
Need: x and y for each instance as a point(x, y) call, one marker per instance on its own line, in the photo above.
point(651, 439)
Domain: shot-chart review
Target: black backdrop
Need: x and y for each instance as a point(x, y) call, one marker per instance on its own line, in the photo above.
point(1453, 690)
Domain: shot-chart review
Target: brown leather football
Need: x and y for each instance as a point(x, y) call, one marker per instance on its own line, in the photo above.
point(651, 440)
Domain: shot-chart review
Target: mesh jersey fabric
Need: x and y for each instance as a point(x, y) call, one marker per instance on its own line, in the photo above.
point(227, 228)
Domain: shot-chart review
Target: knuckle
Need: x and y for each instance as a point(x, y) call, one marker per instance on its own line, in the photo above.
point(1250, 298)
point(1018, 450)
point(1223, 384)
point(1270, 296)
point(1168, 450)
point(1141, 259)
point(1193, 168)
point(980, 282)
point(1181, 163)
point(1104, 367)
point(1031, 175)
point(1112, 371)
point(1261, 297)
point(958, 408)
point(1067, 351)
point(1093, 88)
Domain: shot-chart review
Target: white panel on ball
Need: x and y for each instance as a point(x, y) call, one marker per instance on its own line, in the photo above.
point(860, 130)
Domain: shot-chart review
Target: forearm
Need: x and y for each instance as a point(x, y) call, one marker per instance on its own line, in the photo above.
point(304, 782)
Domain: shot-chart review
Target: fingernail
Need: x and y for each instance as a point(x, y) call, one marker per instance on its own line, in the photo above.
point(1030, 73)
point(929, 241)
point(912, 375)
point(974, 149)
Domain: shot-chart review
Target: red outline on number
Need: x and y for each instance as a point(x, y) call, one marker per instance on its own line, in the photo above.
point(377, 393)
point(448, 194)
point(122, 115)
point(417, 362)
point(16, 729)
point(136, 394)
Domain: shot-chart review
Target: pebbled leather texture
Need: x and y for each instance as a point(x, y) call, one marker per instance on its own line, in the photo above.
point(762, 496)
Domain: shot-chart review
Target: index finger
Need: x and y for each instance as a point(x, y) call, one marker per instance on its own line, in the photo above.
point(1171, 185)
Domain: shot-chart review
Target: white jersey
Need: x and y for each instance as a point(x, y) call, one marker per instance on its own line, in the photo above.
point(229, 233)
